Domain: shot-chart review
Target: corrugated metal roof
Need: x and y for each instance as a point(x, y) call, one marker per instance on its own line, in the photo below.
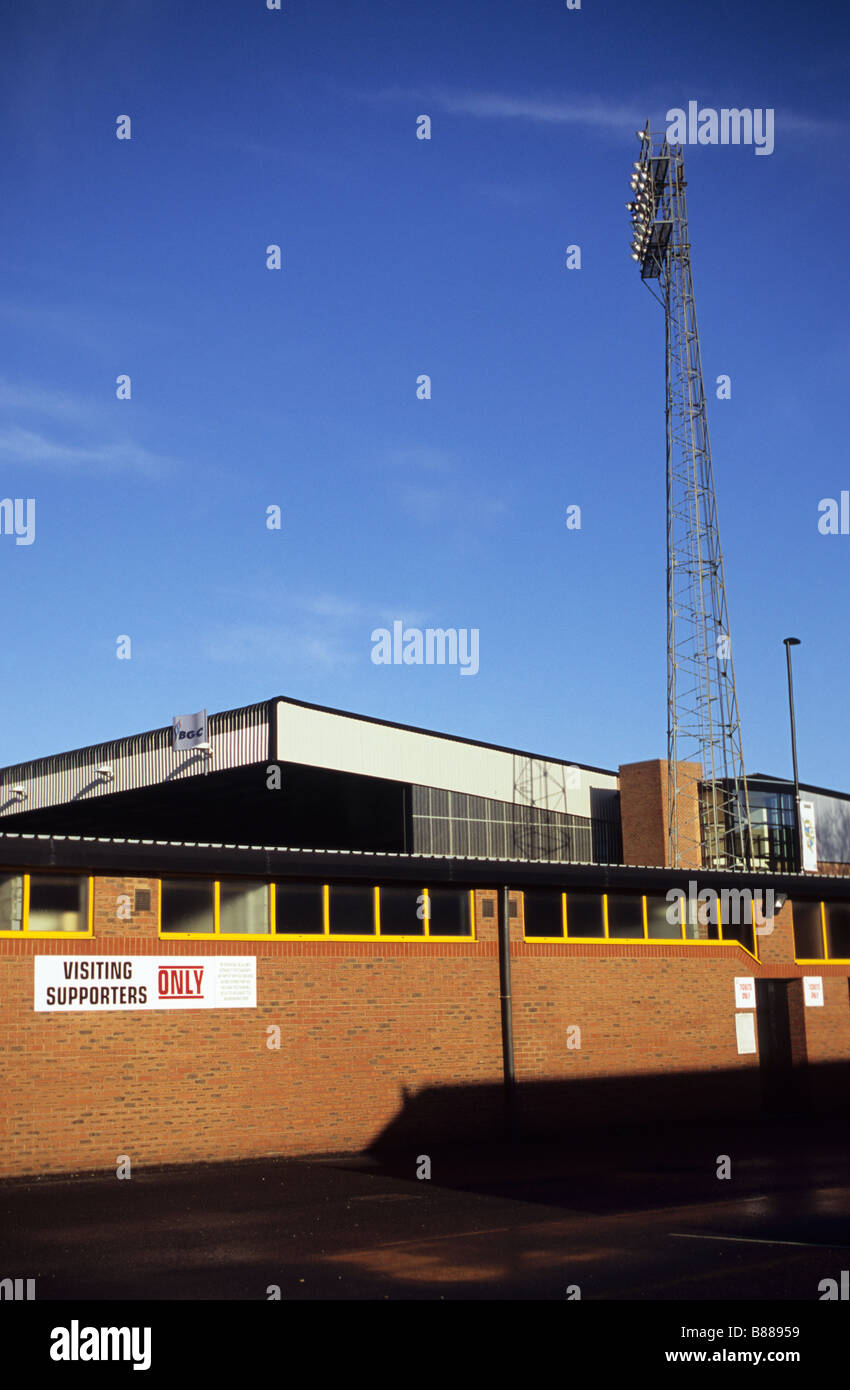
point(238, 738)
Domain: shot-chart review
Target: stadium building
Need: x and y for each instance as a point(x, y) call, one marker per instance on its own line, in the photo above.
point(307, 931)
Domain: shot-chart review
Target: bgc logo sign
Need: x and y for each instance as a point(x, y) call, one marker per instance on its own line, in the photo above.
point(189, 730)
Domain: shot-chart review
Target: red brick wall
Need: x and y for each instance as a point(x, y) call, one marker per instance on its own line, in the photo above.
point(366, 1028)
point(359, 1023)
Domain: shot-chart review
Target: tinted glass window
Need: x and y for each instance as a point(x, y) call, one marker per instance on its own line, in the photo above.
point(808, 934)
point(299, 909)
point(625, 916)
point(352, 911)
point(838, 930)
point(584, 915)
point(11, 902)
point(543, 910)
point(449, 912)
point(243, 908)
point(187, 906)
point(663, 918)
point(402, 911)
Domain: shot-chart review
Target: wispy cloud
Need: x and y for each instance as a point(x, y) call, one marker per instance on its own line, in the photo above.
point(276, 646)
point(57, 404)
point(551, 110)
point(26, 447)
point(327, 632)
point(591, 112)
point(329, 606)
point(433, 486)
point(332, 607)
point(96, 452)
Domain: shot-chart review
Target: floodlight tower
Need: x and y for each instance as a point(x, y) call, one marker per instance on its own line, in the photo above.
point(703, 725)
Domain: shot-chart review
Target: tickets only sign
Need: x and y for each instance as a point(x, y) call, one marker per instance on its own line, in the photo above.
point(97, 983)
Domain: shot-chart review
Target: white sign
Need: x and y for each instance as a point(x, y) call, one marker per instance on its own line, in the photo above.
point(808, 836)
point(188, 730)
point(100, 983)
point(813, 991)
point(745, 1029)
point(745, 992)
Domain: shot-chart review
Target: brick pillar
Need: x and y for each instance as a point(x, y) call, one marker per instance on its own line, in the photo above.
point(643, 811)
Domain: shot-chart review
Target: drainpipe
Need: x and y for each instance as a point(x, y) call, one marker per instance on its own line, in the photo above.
point(507, 1020)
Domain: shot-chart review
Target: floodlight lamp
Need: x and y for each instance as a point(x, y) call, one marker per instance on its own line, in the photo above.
point(635, 256)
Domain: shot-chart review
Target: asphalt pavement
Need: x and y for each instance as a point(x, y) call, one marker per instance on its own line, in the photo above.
point(632, 1217)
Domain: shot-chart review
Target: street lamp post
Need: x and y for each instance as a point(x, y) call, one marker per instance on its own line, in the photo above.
point(789, 643)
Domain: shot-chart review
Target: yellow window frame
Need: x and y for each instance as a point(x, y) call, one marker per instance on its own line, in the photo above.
point(327, 935)
point(216, 934)
point(37, 935)
point(646, 938)
point(826, 957)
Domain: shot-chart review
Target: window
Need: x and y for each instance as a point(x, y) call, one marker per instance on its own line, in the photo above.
point(402, 911)
point(585, 915)
point(57, 903)
point(742, 932)
point(625, 916)
point(808, 931)
point(188, 906)
point(299, 909)
point(702, 918)
point(45, 904)
point(543, 909)
point(360, 910)
point(450, 912)
point(12, 902)
point(243, 909)
point(351, 911)
point(838, 930)
point(663, 918)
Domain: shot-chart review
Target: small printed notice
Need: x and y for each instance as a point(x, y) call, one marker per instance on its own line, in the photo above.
point(813, 991)
point(745, 1027)
point(98, 983)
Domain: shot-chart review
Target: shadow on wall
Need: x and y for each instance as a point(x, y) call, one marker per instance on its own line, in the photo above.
point(586, 1110)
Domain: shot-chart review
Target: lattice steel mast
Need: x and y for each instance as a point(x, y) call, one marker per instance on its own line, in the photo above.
point(703, 724)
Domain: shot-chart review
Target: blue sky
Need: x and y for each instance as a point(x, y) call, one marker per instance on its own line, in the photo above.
point(297, 388)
